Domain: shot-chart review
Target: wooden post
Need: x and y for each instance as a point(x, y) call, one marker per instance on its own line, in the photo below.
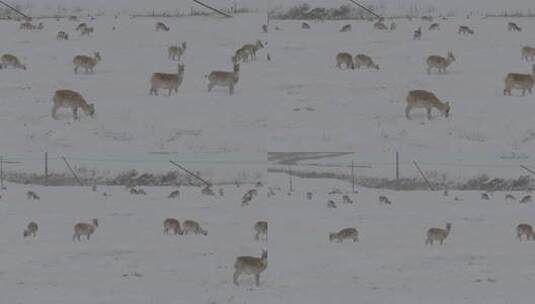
point(1, 173)
point(290, 178)
point(190, 173)
point(423, 175)
point(212, 8)
point(46, 168)
point(72, 171)
point(397, 170)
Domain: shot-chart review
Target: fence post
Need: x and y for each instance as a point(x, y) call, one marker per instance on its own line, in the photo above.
point(46, 168)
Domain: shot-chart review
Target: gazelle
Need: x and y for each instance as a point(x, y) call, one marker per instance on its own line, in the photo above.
point(365, 60)
point(31, 229)
point(27, 26)
point(81, 26)
point(426, 100)
point(305, 26)
point(465, 30)
point(379, 25)
point(526, 199)
point(252, 49)
point(261, 230)
point(73, 100)
point(170, 82)
point(417, 34)
point(86, 62)
point(175, 52)
point(524, 82)
point(160, 26)
point(189, 226)
point(86, 31)
point(250, 266)
point(173, 225)
point(513, 27)
point(528, 53)
point(32, 196)
point(86, 229)
point(437, 234)
point(524, 229)
point(345, 59)
point(62, 36)
point(384, 200)
point(345, 234)
point(347, 200)
point(13, 61)
point(224, 79)
point(434, 27)
point(174, 194)
point(345, 28)
point(440, 63)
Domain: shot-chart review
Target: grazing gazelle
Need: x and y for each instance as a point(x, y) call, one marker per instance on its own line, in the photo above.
point(175, 52)
point(524, 229)
point(32, 196)
point(251, 266)
point(27, 26)
point(167, 81)
point(31, 229)
point(305, 26)
point(434, 27)
point(426, 100)
point(510, 197)
point(345, 234)
point(485, 197)
point(365, 60)
point(8, 60)
point(261, 230)
point(345, 59)
point(160, 26)
point(524, 82)
point(86, 62)
point(379, 25)
point(62, 36)
point(331, 204)
point(224, 79)
point(437, 234)
point(345, 28)
point(440, 63)
point(528, 53)
point(173, 225)
point(86, 229)
point(189, 226)
point(384, 200)
point(347, 200)
point(513, 27)
point(86, 31)
point(526, 199)
point(465, 30)
point(174, 194)
point(73, 100)
point(81, 26)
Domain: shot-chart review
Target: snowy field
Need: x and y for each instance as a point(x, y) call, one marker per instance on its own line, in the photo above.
point(129, 260)
point(297, 102)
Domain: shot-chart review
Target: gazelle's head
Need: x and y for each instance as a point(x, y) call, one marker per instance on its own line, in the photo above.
point(451, 57)
point(95, 222)
point(264, 254)
point(97, 56)
point(91, 110)
point(236, 67)
point(181, 69)
point(259, 44)
point(332, 236)
point(446, 108)
point(448, 227)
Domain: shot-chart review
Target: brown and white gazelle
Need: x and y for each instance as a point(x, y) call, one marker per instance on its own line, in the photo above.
point(73, 100)
point(173, 225)
point(437, 234)
point(345, 234)
point(525, 229)
point(440, 63)
point(426, 100)
point(86, 229)
point(86, 62)
point(167, 81)
point(189, 226)
point(524, 82)
point(175, 52)
point(345, 59)
point(366, 61)
point(528, 53)
point(31, 229)
point(261, 230)
point(251, 266)
point(224, 79)
point(8, 60)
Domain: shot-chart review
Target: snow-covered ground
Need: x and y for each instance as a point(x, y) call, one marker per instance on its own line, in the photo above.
point(129, 260)
point(297, 102)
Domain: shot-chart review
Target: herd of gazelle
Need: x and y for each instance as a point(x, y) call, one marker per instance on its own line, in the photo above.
point(229, 79)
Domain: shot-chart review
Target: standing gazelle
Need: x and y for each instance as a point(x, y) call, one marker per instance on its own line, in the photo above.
point(528, 53)
point(224, 79)
point(440, 63)
point(167, 81)
point(524, 82)
point(261, 230)
point(86, 229)
point(345, 59)
point(31, 229)
point(8, 60)
point(73, 100)
point(251, 266)
point(175, 52)
point(426, 100)
point(437, 234)
point(524, 229)
point(173, 225)
point(86, 62)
